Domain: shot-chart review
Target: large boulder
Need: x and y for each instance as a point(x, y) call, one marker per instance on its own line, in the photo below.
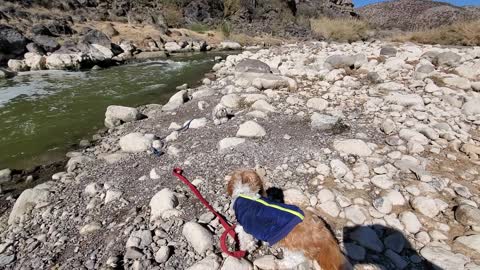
point(61, 61)
point(117, 115)
point(35, 61)
point(12, 43)
point(135, 142)
point(93, 36)
point(252, 65)
point(467, 215)
point(450, 59)
point(46, 43)
point(17, 65)
point(230, 45)
point(27, 201)
point(59, 28)
point(340, 61)
point(176, 100)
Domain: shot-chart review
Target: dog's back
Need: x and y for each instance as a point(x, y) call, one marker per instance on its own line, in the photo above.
point(316, 241)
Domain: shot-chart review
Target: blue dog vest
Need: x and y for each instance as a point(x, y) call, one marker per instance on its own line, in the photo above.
point(266, 220)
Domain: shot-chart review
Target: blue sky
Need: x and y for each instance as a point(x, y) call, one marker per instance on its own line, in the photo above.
point(359, 3)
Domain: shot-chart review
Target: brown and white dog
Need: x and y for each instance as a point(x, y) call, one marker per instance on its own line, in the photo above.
point(309, 239)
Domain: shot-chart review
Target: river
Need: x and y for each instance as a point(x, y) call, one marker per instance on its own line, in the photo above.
point(43, 114)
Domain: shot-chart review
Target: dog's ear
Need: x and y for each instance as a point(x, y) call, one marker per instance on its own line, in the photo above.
point(234, 178)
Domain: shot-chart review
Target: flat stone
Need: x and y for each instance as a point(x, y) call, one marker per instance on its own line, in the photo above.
point(425, 205)
point(135, 142)
point(395, 242)
point(382, 181)
point(317, 104)
point(229, 143)
point(211, 262)
point(471, 241)
point(443, 258)
point(467, 215)
point(352, 147)
point(251, 129)
point(90, 228)
point(323, 121)
point(355, 214)
point(6, 260)
point(355, 252)
point(232, 263)
point(410, 221)
point(198, 237)
point(367, 238)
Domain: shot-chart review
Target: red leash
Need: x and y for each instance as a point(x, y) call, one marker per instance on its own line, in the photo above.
point(229, 230)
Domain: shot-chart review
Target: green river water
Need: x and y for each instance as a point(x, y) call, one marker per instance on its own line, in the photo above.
point(43, 114)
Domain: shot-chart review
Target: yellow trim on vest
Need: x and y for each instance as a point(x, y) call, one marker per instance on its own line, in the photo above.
point(273, 206)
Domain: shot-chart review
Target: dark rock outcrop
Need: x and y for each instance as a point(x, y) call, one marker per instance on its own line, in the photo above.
point(12, 43)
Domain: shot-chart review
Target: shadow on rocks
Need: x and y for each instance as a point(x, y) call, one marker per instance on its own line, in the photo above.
point(382, 247)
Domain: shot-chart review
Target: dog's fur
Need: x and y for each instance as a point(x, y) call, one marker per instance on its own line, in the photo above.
point(309, 239)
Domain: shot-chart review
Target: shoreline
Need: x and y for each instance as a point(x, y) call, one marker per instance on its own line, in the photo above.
point(390, 164)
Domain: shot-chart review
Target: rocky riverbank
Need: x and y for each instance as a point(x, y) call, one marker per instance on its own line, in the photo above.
point(380, 140)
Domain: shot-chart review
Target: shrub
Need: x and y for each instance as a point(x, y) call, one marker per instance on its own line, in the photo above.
point(463, 33)
point(198, 27)
point(173, 15)
point(342, 30)
point(230, 7)
point(226, 29)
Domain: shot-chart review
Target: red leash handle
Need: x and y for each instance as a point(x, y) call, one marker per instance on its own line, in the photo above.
point(229, 230)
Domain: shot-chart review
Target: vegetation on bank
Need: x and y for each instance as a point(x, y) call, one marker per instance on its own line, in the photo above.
point(341, 30)
point(463, 33)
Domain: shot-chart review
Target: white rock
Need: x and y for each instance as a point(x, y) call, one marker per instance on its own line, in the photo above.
point(162, 254)
point(388, 126)
point(471, 241)
point(198, 123)
point(229, 143)
point(382, 181)
point(355, 214)
point(444, 259)
point(317, 104)
point(251, 129)
point(405, 99)
point(330, 207)
point(323, 121)
point(27, 201)
point(176, 100)
point(425, 205)
point(267, 262)
point(231, 101)
point(383, 205)
point(296, 197)
point(352, 147)
point(395, 197)
point(230, 45)
point(458, 82)
point(263, 106)
point(325, 195)
point(161, 202)
point(112, 195)
point(472, 107)
point(90, 228)
point(35, 61)
point(198, 237)
point(410, 221)
point(92, 189)
point(135, 142)
point(232, 263)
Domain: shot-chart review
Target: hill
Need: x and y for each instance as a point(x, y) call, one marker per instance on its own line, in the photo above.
point(412, 15)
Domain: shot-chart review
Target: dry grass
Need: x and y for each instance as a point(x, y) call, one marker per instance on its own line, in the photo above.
point(342, 30)
point(246, 40)
point(464, 33)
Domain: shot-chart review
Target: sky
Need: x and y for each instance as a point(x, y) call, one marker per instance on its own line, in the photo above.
point(359, 3)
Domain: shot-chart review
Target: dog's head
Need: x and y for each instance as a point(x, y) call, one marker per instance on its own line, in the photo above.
point(244, 181)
